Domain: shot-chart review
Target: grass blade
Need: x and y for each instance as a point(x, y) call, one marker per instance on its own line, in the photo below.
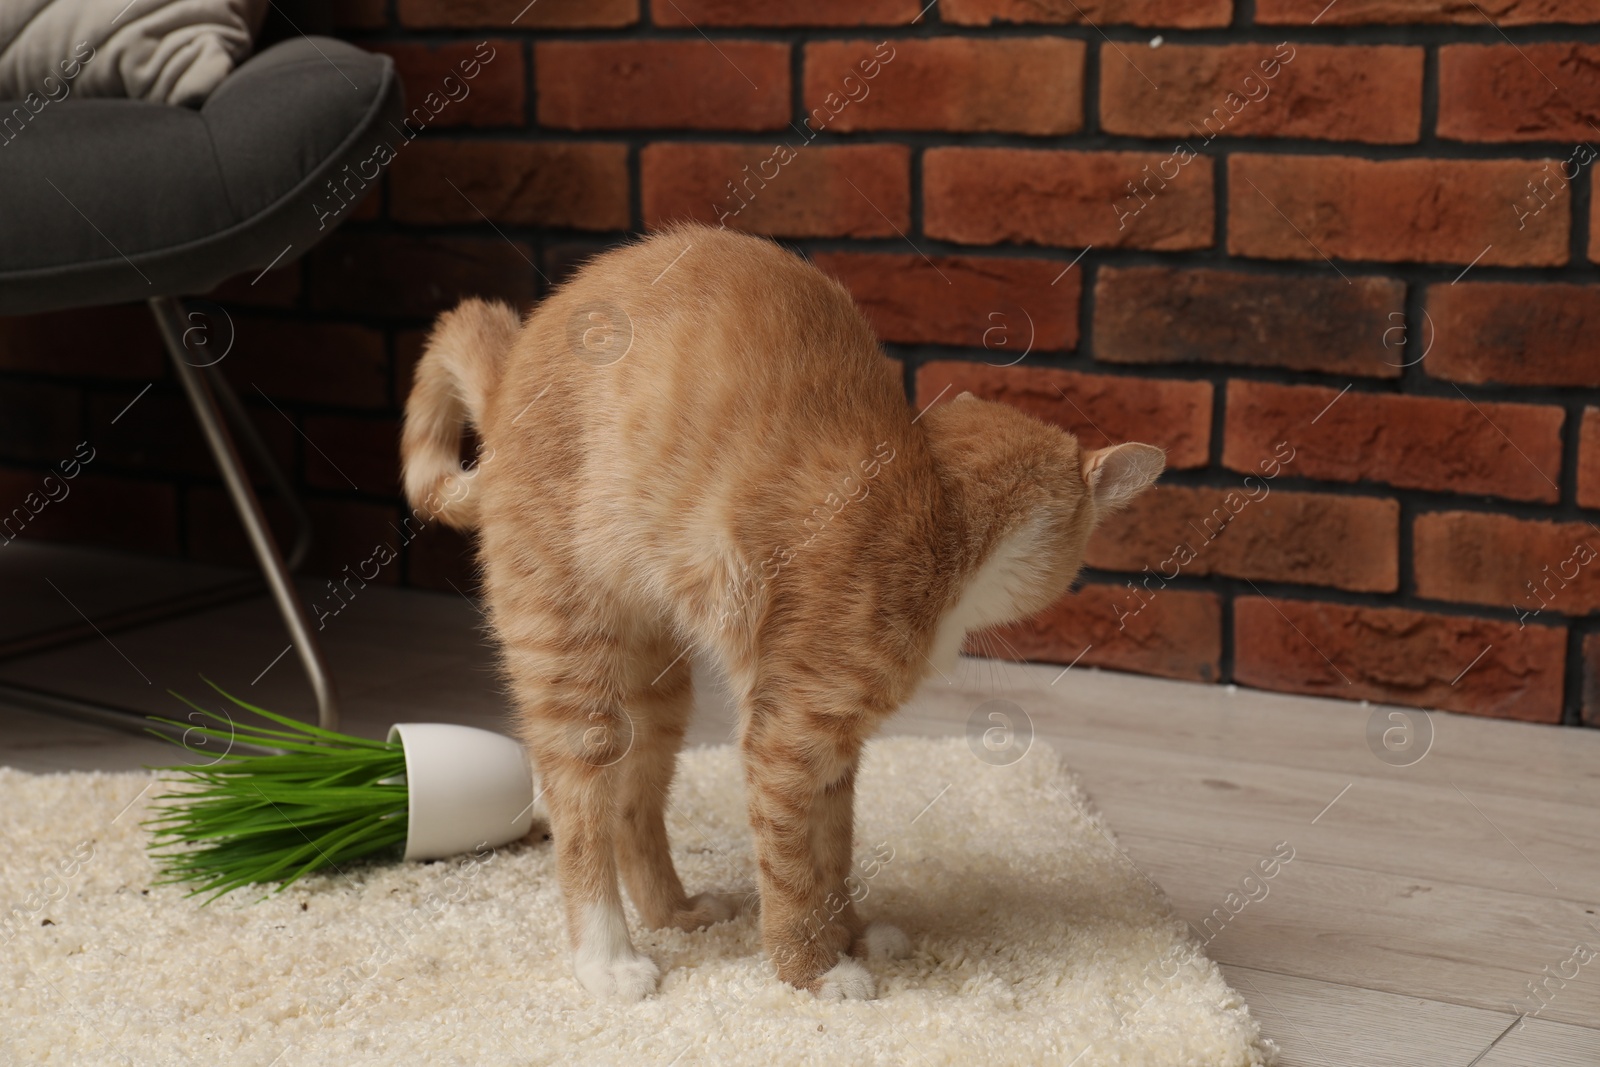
point(325, 799)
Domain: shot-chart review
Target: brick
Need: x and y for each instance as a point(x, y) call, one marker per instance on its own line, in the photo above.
point(344, 533)
point(539, 183)
point(544, 15)
point(1515, 334)
point(212, 533)
point(1539, 569)
point(1068, 199)
point(1589, 459)
point(158, 434)
point(131, 514)
point(1179, 634)
point(1173, 14)
point(1397, 12)
point(1401, 210)
point(562, 259)
point(347, 534)
point(39, 421)
point(358, 14)
point(1252, 531)
point(1400, 657)
point(309, 362)
point(356, 454)
point(697, 85)
point(1396, 440)
point(366, 209)
point(785, 192)
point(1098, 409)
point(1168, 315)
point(408, 345)
point(1591, 680)
point(1321, 92)
point(443, 559)
point(483, 80)
point(1594, 229)
point(277, 288)
point(415, 277)
point(78, 344)
point(1498, 93)
point(948, 84)
point(1007, 306)
point(679, 13)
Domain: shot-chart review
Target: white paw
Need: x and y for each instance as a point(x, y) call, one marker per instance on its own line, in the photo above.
point(627, 978)
point(886, 942)
point(847, 981)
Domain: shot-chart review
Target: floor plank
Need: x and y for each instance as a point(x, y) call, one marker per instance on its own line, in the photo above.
point(44, 586)
point(46, 744)
point(1379, 823)
point(396, 656)
point(1325, 1024)
point(1485, 755)
point(1412, 936)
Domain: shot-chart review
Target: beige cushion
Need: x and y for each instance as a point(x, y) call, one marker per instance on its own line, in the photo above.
point(165, 51)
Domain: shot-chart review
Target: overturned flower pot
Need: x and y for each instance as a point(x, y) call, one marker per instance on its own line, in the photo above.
point(467, 788)
point(323, 799)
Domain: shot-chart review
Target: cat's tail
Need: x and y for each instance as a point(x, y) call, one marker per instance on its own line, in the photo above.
point(459, 368)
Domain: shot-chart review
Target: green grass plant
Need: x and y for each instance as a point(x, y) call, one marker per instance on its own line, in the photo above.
point(323, 799)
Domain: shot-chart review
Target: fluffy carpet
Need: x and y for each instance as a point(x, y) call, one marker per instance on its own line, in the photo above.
point(1034, 941)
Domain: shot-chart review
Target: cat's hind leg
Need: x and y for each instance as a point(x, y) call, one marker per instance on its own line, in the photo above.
point(659, 703)
point(568, 674)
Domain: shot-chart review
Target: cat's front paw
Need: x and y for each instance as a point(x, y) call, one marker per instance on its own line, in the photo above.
point(882, 941)
point(848, 980)
point(629, 976)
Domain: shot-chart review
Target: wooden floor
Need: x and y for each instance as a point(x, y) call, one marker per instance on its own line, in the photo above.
point(1420, 904)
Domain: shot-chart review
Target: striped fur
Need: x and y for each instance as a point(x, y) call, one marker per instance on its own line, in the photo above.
point(699, 451)
point(459, 368)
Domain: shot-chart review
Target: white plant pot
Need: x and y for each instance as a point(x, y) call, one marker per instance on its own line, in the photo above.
point(468, 787)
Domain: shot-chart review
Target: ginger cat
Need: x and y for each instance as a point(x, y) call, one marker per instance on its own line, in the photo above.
point(696, 448)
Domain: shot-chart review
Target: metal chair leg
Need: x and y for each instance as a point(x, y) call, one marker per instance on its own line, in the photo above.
point(245, 427)
point(203, 398)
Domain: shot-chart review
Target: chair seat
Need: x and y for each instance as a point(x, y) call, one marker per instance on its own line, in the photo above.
point(104, 201)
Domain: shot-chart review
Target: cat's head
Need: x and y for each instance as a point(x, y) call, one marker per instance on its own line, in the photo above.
point(1026, 498)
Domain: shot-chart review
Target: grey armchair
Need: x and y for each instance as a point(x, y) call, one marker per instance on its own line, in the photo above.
point(106, 201)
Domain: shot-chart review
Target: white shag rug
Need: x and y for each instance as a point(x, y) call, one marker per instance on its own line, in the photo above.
point(1034, 942)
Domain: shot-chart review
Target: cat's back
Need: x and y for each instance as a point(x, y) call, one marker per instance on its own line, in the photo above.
point(697, 331)
point(696, 389)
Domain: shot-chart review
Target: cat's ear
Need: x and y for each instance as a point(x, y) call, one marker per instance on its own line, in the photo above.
point(1117, 474)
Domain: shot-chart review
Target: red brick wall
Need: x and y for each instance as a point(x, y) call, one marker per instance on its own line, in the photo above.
point(1337, 258)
